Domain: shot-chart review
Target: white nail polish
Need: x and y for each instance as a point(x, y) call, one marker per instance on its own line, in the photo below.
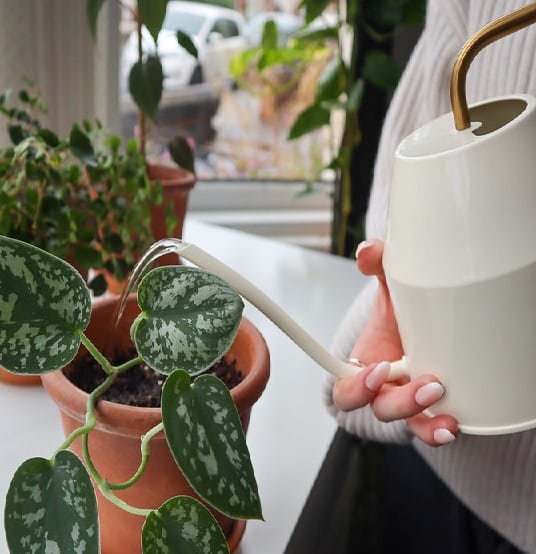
point(376, 378)
point(363, 246)
point(429, 393)
point(443, 436)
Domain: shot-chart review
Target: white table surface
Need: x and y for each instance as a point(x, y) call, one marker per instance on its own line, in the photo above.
point(290, 430)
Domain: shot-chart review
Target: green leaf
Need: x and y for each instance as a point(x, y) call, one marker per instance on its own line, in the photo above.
point(331, 82)
point(16, 133)
point(182, 526)
point(81, 146)
point(189, 319)
point(181, 153)
point(87, 256)
point(413, 13)
point(270, 36)
point(314, 8)
point(145, 84)
point(318, 35)
point(93, 8)
point(207, 440)
point(44, 305)
point(152, 14)
point(51, 507)
point(380, 69)
point(187, 43)
point(49, 137)
point(241, 61)
point(355, 97)
point(310, 119)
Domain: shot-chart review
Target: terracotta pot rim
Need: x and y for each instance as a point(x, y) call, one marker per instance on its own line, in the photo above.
point(125, 419)
point(171, 176)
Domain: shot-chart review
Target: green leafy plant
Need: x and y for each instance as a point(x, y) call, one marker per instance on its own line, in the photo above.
point(79, 197)
point(354, 67)
point(146, 78)
point(44, 309)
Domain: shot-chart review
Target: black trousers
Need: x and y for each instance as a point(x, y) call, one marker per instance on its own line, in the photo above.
point(384, 499)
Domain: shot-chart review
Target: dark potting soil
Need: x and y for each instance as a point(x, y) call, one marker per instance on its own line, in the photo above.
point(139, 386)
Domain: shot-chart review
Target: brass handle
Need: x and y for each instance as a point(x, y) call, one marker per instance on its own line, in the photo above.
point(497, 29)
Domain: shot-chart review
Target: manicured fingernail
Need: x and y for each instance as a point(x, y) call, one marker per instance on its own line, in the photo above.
point(429, 393)
point(376, 378)
point(443, 436)
point(363, 246)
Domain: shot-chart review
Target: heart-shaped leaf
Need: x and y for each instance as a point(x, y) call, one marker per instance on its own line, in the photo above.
point(81, 146)
point(182, 526)
point(207, 440)
point(152, 14)
point(189, 319)
point(44, 306)
point(181, 153)
point(51, 507)
point(145, 83)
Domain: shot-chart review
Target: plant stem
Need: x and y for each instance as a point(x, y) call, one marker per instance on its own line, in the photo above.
point(144, 447)
point(127, 365)
point(141, 116)
point(90, 415)
point(98, 356)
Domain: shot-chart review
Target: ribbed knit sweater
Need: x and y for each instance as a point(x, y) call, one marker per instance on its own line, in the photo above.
point(493, 476)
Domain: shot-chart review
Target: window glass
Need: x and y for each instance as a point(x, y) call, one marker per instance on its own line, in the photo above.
point(187, 22)
point(238, 128)
point(226, 27)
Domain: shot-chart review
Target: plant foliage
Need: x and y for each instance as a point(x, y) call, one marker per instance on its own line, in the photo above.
point(146, 78)
point(51, 503)
point(80, 197)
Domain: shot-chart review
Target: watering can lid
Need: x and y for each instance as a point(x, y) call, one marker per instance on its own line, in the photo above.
point(488, 120)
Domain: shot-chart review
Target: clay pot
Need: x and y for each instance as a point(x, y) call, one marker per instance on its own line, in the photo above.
point(16, 379)
point(115, 443)
point(177, 184)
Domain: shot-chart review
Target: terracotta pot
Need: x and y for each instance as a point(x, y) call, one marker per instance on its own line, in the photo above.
point(115, 443)
point(15, 379)
point(177, 184)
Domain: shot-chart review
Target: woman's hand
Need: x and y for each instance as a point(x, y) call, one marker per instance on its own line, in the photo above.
point(380, 340)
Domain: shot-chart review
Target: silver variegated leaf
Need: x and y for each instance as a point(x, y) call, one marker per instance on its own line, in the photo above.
point(207, 440)
point(182, 525)
point(51, 507)
point(44, 305)
point(189, 319)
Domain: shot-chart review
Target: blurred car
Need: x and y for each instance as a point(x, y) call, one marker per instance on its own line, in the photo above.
point(287, 24)
point(216, 32)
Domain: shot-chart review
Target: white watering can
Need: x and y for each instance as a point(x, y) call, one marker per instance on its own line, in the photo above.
point(460, 254)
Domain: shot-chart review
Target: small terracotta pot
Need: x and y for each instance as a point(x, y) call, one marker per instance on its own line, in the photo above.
point(115, 443)
point(177, 184)
point(16, 379)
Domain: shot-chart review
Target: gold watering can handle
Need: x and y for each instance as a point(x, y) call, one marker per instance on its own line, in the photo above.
point(501, 27)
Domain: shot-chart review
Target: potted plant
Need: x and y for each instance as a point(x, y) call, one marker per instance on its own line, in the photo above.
point(187, 319)
point(145, 84)
point(68, 196)
point(79, 198)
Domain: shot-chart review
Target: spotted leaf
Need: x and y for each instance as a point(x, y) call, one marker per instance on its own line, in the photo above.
point(44, 305)
point(51, 507)
point(182, 526)
point(207, 441)
point(189, 319)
